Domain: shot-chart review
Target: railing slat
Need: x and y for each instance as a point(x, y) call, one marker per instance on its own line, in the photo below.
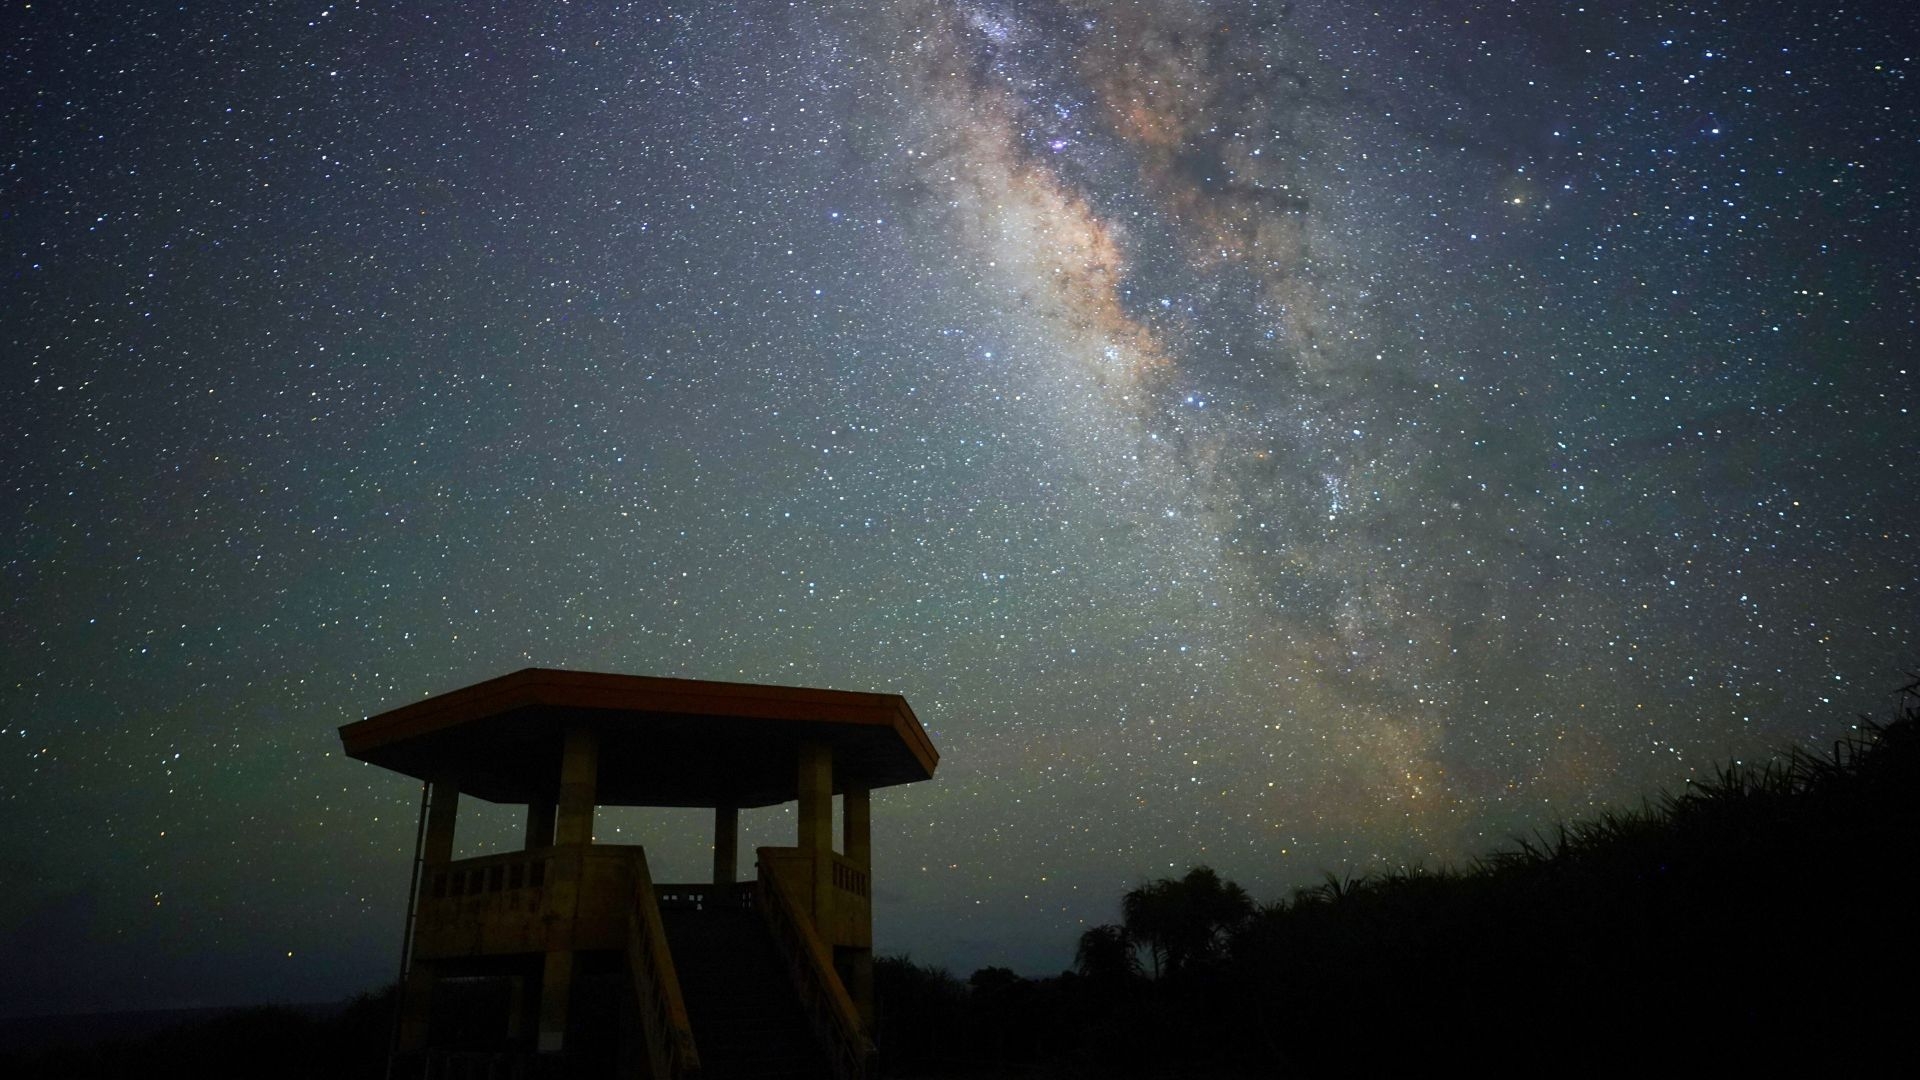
point(829, 1009)
point(670, 1044)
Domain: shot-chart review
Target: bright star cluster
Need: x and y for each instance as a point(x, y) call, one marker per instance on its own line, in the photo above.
point(1290, 437)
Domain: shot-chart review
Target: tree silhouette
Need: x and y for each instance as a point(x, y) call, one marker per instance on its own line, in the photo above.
point(1182, 921)
point(1107, 954)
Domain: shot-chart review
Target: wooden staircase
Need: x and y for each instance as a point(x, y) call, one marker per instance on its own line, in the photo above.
point(746, 1018)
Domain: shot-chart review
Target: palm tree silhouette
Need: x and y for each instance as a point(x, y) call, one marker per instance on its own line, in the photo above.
point(1177, 922)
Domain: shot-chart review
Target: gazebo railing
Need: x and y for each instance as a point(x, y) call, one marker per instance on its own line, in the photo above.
point(705, 896)
point(830, 1011)
point(669, 1034)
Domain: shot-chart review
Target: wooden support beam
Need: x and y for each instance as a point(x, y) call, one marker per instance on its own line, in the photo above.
point(857, 827)
point(726, 845)
point(579, 773)
point(443, 807)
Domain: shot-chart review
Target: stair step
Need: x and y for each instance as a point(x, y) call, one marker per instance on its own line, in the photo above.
point(747, 1022)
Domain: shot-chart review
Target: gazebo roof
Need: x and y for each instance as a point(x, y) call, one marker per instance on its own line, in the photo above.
point(663, 742)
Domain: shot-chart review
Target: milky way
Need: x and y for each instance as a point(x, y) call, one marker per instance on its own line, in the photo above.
point(1296, 439)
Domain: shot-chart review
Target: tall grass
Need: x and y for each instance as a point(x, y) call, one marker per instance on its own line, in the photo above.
point(1757, 919)
point(1761, 915)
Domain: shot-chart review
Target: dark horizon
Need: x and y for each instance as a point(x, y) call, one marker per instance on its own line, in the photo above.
point(1199, 975)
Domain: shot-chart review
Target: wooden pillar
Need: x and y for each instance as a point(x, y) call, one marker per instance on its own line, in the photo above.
point(573, 825)
point(816, 798)
point(860, 984)
point(857, 828)
point(579, 772)
point(726, 845)
point(556, 989)
point(416, 1006)
point(816, 824)
point(443, 807)
point(539, 824)
point(436, 851)
point(857, 840)
point(520, 1018)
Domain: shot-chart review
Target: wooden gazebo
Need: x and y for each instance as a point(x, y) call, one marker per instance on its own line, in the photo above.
point(566, 917)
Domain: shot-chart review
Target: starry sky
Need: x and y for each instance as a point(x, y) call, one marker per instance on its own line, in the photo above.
point(1292, 437)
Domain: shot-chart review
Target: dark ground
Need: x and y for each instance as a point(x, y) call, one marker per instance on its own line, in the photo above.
point(1760, 920)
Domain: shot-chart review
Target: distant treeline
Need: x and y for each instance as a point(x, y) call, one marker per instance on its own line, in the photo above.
point(1762, 920)
point(337, 1043)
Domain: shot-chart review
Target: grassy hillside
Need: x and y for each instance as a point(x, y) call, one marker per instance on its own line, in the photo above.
point(1760, 919)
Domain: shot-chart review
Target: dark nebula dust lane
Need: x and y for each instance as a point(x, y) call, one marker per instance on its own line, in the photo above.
point(1287, 437)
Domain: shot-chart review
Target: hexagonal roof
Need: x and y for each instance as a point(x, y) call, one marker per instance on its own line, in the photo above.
point(663, 742)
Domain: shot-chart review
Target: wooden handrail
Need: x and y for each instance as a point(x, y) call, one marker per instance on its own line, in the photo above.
point(670, 1047)
point(829, 1009)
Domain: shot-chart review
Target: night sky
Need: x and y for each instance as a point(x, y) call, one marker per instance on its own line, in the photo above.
point(1291, 437)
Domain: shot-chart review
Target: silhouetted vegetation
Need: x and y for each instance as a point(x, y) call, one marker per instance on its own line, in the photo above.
point(1760, 919)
